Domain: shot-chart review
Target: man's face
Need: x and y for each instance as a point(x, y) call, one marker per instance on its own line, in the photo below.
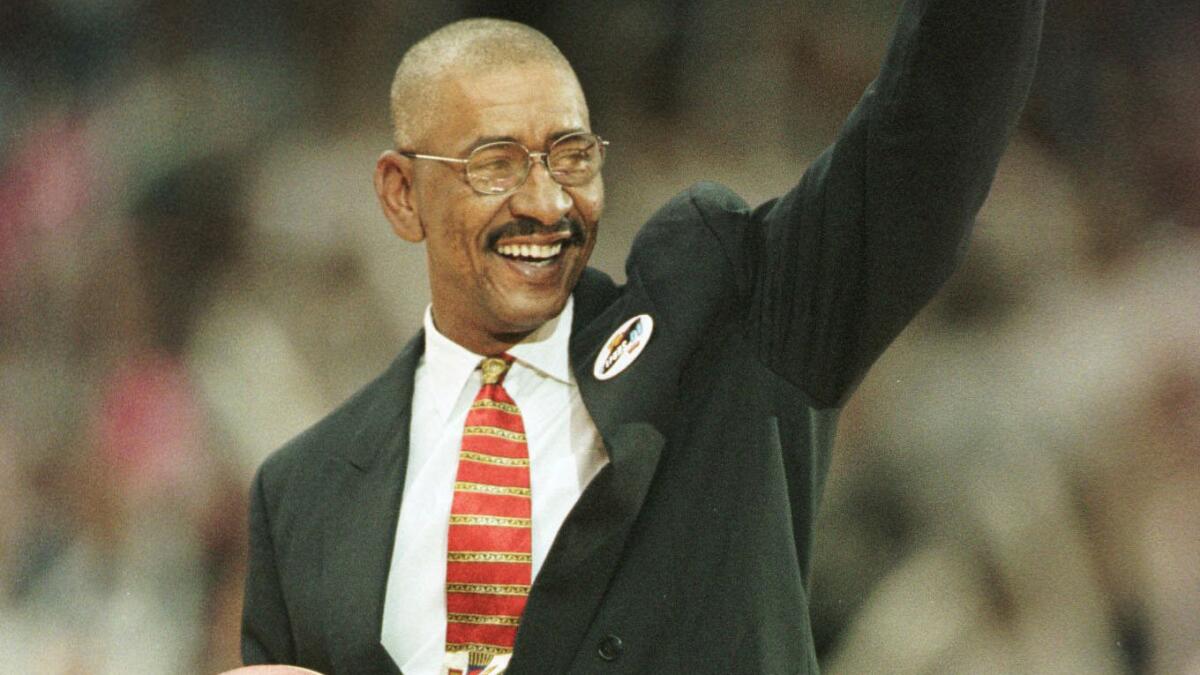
point(484, 299)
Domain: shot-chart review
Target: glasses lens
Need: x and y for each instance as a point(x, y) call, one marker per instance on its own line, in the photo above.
point(575, 159)
point(497, 167)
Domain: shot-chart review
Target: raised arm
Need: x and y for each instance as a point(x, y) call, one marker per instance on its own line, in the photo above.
point(840, 264)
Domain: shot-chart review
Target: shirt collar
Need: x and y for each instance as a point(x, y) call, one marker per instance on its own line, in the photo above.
point(450, 364)
point(545, 349)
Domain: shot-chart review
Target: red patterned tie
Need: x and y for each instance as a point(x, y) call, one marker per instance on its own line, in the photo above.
point(488, 562)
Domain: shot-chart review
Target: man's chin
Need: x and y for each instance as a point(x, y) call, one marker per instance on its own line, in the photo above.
point(526, 315)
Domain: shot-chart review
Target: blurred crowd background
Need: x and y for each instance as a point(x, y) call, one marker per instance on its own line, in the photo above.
point(193, 268)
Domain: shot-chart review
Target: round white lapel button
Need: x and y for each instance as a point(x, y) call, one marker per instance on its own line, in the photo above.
point(623, 346)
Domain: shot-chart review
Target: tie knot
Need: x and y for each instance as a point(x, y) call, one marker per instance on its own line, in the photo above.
point(494, 368)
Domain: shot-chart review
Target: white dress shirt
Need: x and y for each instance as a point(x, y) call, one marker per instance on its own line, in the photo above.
point(565, 453)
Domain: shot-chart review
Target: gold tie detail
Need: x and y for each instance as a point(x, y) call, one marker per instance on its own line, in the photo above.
point(488, 561)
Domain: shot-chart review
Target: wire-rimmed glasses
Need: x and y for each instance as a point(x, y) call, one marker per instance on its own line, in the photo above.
point(501, 167)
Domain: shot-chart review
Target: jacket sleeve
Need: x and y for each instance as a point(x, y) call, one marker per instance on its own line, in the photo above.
point(835, 268)
point(266, 629)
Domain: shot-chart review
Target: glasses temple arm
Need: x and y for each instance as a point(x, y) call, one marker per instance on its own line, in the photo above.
point(417, 155)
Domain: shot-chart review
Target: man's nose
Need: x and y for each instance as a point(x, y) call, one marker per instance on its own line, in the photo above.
point(540, 198)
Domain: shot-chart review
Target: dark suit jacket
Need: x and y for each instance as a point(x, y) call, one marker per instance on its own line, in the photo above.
point(689, 551)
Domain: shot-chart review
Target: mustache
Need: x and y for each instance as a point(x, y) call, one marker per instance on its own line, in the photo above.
point(523, 227)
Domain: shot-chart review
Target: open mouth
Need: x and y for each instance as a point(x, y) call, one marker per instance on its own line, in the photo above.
point(533, 254)
point(533, 249)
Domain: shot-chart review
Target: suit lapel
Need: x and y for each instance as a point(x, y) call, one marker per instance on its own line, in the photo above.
point(364, 493)
point(629, 411)
point(366, 484)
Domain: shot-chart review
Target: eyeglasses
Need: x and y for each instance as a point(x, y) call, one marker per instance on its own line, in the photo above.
point(502, 167)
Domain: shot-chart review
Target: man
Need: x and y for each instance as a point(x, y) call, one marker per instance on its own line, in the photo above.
point(666, 440)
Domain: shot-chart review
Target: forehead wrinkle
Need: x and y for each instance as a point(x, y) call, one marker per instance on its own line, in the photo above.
point(532, 106)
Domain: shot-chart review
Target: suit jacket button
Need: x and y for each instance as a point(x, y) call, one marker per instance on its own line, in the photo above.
point(610, 648)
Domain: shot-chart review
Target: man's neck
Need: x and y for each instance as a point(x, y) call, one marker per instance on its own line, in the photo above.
point(483, 344)
point(481, 341)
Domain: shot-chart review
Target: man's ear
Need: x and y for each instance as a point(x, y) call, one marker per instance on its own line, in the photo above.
point(393, 186)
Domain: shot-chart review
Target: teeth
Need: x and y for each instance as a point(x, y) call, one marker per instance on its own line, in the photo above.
point(529, 251)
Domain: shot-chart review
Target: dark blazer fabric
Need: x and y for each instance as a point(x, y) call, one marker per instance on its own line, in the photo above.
point(690, 550)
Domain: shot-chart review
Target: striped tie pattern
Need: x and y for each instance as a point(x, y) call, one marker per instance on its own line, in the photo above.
point(489, 560)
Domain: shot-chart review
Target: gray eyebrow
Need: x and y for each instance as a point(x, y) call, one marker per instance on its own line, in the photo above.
point(550, 138)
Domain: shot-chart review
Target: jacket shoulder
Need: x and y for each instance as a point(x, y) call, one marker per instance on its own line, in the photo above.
point(692, 249)
point(714, 198)
point(354, 430)
point(704, 203)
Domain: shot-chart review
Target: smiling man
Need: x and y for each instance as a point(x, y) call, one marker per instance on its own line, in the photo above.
point(557, 475)
point(507, 234)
